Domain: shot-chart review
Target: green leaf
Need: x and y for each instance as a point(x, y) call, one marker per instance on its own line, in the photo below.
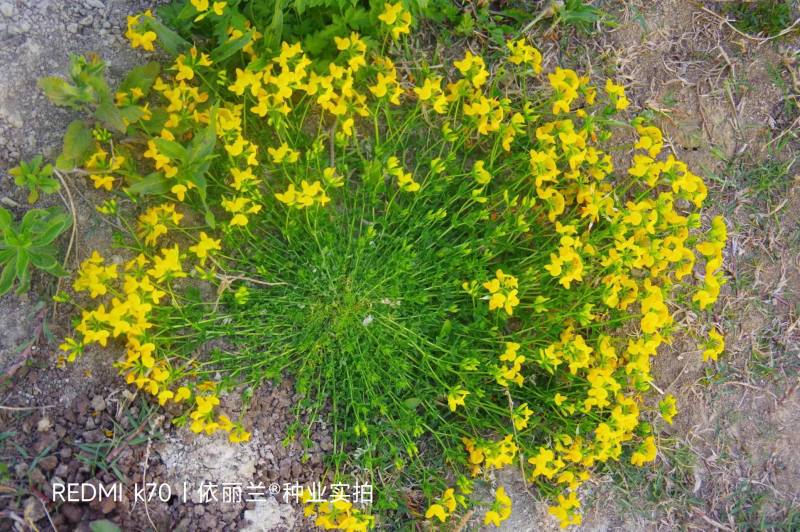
point(108, 113)
point(170, 41)
point(103, 525)
point(227, 49)
point(5, 219)
point(56, 226)
point(203, 144)
point(58, 91)
point(131, 113)
point(6, 278)
point(210, 220)
point(412, 402)
point(102, 92)
point(77, 143)
point(24, 282)
point(43, 261)
point(56, 270)
point(31, 218)
point(23, 261)
point(141, 77)
point(276, 26)
point(188, 12)
point(154, 183)
point(171, 149)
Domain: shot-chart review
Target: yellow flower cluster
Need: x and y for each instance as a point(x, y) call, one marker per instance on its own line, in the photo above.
point(186, 65)
point(308, 195)
point(93, 276)
point(336, 514)
point(524, 53)
point(667, 408)
point(144, 283)
point(503, 291)
point(205, 7)
point(711, 249)
point(445, 506)
point(500, 510)
point(714, 346)
point(396, 18)
point(404, 179)
point(511, 368)
point(101, 169)
point(139, 39)
point(156, 221)
point(487, 454)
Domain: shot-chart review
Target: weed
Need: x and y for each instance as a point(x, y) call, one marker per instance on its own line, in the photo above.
point(30, 244)
point(768, 17)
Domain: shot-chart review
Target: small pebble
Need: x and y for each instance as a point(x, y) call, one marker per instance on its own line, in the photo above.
point(44, 424)
point(7, 9)
point(98, 403)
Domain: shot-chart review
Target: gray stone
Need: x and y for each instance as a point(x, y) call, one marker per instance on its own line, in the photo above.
point(33, 509)
point(7, 9)
point(98, 403)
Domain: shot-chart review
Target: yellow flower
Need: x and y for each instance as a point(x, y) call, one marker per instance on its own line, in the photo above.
point(566, 510)
point(144, 40)
point(283, 153)
point(164, 396)
point(155, 222)
point(168, 265)
point(503, 292)
point(456, 397)
point(501, 508)
point(72, 347)
point(93, 276)
point(308, 195)
point(714, 346)
point(104, 181)
point(239, 435)
point(667, 408)
point(436, 510)
point(645, 453)
point(522, 52)
point(443, 507)
point(617, 95)
point(521, 416)
point(390, 13)
point(482, 176)
point(182, 394)
point(396, 18)
point(473, 68)
point(205, 246)
point(650, 139)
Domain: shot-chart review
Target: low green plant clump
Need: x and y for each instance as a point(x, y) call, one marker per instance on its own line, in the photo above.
point(446, 259)
point(768, 17)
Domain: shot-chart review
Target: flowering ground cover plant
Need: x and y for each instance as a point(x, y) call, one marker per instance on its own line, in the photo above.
point(463, 267)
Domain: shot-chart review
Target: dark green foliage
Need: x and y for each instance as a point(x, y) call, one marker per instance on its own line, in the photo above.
point(30, 244)
point(768, 17)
